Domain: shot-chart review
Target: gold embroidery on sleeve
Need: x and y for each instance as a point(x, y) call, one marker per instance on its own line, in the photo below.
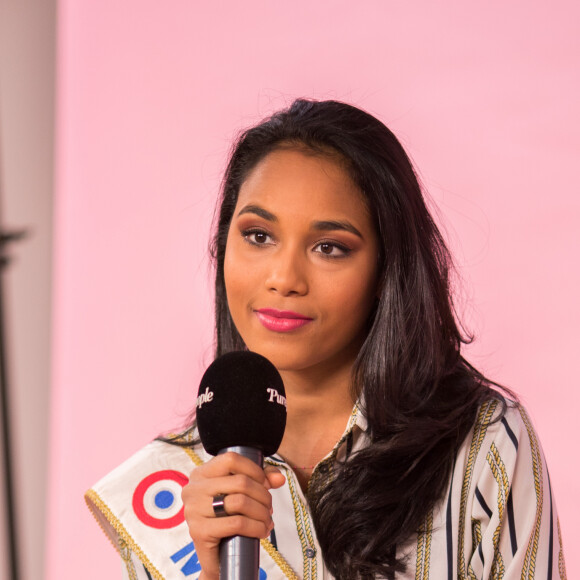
point(561, 563)
point(420, 558)
point(503, 487)
point(479, 431)
point(529, 566)
point(475, 541)
point(424, 549)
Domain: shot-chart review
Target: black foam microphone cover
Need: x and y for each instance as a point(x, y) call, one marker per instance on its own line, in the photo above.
point(241, 402)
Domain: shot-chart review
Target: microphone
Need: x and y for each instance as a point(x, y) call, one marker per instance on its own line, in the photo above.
point(241, 407)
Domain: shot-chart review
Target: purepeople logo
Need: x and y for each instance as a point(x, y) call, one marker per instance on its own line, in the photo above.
point(204, 398)
point(207, 397)
point(276, 397)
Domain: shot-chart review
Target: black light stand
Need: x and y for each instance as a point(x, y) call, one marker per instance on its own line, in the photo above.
point(6, 238)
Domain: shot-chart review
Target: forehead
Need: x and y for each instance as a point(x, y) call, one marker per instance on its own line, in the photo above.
point(294, 179)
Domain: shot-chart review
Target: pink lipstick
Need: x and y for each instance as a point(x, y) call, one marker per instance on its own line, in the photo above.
point(281, 320)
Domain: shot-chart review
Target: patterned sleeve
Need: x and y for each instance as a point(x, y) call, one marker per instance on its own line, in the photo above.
point(515, 532)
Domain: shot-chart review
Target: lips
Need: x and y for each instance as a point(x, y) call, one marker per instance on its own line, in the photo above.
point(281, 320)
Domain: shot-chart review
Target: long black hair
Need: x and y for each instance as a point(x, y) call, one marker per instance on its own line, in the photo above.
point(419, 396)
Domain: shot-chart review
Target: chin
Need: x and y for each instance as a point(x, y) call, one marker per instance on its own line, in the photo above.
point(283, 358)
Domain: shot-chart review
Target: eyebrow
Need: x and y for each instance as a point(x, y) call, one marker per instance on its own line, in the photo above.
point(331, 225)
point(259, 211)
point(321, 226)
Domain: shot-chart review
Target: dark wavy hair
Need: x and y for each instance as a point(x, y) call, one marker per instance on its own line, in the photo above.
point(419, 395)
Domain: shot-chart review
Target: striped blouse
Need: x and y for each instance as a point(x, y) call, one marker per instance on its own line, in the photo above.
point(497, 518)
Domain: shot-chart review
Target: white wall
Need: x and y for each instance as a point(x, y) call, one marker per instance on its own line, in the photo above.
point(483, 95)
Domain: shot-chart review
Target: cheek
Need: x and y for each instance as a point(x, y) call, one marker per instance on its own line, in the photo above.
point(232, 280)
point(360, 301)
point(350, 302)
point(229, 269)
point(240, 279)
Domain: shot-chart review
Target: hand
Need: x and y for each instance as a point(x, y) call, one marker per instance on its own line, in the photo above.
point(248, 504)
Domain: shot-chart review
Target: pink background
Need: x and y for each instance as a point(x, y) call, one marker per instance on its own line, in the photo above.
point(149, 97)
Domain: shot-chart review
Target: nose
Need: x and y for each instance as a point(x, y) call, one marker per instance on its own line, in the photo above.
point(288, 274)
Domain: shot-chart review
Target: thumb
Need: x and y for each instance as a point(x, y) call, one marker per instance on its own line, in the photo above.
point(274, 477)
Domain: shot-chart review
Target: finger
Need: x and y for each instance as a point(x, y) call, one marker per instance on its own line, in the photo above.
point(212, 573)
point(209, 561)
point(274, 477)
point(208, 532)
point(237, 525)
point(239, 504)
point(233, 485)
point(229, 464)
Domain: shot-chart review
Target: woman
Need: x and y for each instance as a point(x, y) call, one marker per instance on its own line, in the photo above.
point(329, 264)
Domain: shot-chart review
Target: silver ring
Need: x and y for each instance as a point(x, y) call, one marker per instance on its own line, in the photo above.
point(219, 509)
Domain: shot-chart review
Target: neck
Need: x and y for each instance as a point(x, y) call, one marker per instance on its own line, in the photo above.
point(317, 395)
point(319, 406)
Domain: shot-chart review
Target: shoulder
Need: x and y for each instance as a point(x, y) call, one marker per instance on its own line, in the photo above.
point(503, 437)
point(507, 516)
point(502, 428)
point(502, 472)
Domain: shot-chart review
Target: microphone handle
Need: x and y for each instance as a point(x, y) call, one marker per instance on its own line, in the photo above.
point(240, 556)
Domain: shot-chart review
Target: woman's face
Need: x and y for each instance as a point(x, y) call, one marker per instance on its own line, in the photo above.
point(301, 262)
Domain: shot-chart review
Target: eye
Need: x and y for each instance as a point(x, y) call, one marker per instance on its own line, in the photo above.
point(332, 249)
point(257, 237)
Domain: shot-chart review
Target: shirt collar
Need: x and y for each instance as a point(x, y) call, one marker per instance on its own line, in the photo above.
point(356, 419)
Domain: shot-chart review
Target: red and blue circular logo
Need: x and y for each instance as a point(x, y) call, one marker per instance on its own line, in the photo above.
point(157, 499)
